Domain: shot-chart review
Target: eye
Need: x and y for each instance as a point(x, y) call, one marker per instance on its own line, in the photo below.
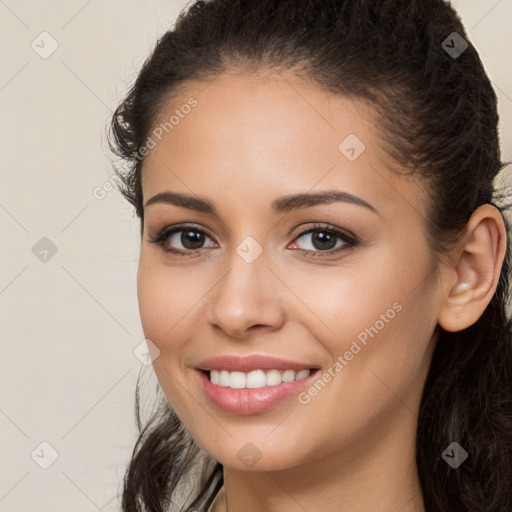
point(324, 240)
point(190, 238)
point(328, 240)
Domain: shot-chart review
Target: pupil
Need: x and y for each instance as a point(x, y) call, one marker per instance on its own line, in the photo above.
point(323, 240)
point(193, 238)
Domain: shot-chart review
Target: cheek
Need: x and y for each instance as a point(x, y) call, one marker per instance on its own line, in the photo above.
point(161, 302)
point(342, 302)
point(153, 302)
point(170, 299)
point(164, 302)
point(386, 306)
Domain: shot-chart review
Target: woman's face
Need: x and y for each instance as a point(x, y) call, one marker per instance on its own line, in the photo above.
point(252, 281)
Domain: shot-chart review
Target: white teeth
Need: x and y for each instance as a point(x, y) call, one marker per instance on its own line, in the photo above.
point(224, 378)
point(302, 374)
point(288, 376)
point(237, 380)
point(256, 378)
point(273, 377)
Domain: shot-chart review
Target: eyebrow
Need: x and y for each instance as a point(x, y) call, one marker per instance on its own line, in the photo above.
point(281, 205)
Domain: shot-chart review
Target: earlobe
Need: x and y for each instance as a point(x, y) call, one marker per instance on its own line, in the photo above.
point(477, 270)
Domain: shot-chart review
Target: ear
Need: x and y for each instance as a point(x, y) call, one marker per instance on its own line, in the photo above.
point(475, 270)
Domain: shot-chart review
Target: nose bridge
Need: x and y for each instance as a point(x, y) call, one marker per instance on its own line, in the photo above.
point(247, 295)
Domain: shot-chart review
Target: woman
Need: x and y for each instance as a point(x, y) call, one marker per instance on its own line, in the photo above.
point(323, 271)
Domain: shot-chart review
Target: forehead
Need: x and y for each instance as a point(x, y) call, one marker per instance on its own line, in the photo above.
point(255, 138)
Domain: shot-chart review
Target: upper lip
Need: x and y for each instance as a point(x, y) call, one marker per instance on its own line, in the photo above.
point(250, 363)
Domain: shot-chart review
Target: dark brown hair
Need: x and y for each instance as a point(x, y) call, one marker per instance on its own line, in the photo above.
point(437, 115)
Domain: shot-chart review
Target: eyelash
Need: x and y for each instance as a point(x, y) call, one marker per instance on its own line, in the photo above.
point(351, 241)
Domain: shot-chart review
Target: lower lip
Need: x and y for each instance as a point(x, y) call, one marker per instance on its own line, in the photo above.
point(250, 401)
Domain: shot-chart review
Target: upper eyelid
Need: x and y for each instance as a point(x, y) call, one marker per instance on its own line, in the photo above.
point(191, 227)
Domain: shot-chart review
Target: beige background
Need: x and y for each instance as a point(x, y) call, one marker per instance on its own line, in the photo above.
point(70, 324)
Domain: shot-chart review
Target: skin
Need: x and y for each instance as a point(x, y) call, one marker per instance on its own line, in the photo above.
point(250, 140)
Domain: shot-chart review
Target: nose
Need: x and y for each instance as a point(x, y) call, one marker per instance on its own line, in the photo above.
point(249, 298)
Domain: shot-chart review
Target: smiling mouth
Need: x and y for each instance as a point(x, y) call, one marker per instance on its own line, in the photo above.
point(255, 379)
